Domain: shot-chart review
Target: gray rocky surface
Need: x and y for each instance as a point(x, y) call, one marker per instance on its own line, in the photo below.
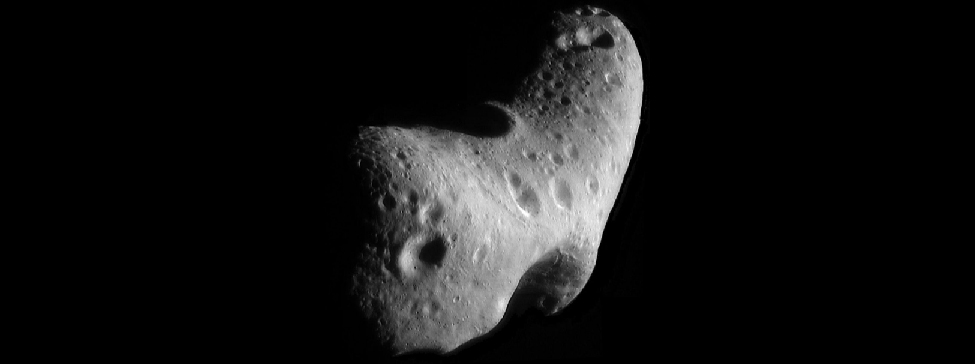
point(465, 227)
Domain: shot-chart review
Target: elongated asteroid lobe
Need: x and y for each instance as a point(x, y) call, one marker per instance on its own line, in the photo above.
point(467, 223)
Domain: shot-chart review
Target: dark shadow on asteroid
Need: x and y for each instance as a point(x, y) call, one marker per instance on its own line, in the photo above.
point(433, 252)
point(358, 332)
point(543, 284)
point(529, 305)
point(479, 120)
point(484, 56)
point(531, 301)
point(419, 356)
point(604, 41)
point(534, 299)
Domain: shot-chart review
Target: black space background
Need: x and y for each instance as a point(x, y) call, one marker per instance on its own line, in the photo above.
point(703, 253)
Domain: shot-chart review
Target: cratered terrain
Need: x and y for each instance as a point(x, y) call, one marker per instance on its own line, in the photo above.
point(464, 227)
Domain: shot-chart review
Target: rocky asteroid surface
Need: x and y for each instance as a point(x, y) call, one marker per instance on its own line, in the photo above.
point(463, 228)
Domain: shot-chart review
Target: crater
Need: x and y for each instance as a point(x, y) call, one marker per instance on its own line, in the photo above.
point(604, 41)
point(432, 213)
point(572, 151)
point(527, 200)
point(479, 254)
point(557, 159)
point(514, 180)
point(585, 38)
point(433, 252)
point(593, 184)
point(562, 193)
point(483, 120)
point(414, 200)
point(388, 202)
point(614, 79)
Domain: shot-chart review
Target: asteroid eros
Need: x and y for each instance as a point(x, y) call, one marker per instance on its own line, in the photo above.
point(462, 227)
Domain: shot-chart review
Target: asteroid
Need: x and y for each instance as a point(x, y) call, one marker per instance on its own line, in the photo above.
point(506, 212)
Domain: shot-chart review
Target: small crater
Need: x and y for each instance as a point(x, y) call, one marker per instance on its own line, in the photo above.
point(547, 76)
point(527, 200)
point(544, 107)
point(614, 79)
point(572, 151)
point(414, 197)
point(401, 155)
point(514, 180)
point(433, 252)
point(479, 254)
point(548, 94)
point(547, 303)
point(558, 84)
point(389, 202)
point(532, 157)
point(562, 193)
point(565, 100)
point(434, 213)
point(567, 65)
point(557, 159)
point(414, 200)
point(593, 184)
